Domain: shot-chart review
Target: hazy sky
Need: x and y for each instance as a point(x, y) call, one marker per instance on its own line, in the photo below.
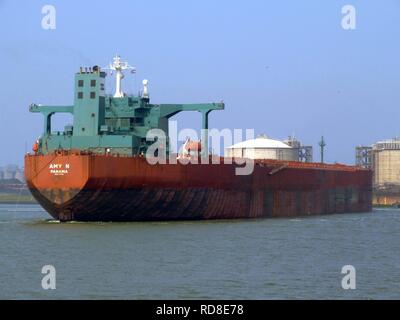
point(281, 67)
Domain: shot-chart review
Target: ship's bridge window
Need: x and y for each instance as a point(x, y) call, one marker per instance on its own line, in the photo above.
point(80, 95)
point(80, 83)
point(92, 83)
point(93, 95)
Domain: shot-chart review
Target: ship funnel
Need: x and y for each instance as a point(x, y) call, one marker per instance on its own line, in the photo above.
point(145, 88)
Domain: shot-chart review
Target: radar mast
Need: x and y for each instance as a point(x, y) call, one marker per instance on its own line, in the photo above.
point(118, 66)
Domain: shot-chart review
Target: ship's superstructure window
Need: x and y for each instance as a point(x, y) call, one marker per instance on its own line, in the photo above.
point(92, 83)
point(92, 95)
point(80, 95)
point(80, 83)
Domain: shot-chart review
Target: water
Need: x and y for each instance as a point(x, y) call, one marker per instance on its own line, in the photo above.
point(297, 258)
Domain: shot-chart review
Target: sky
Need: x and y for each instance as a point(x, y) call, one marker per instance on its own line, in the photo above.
point(281, 67)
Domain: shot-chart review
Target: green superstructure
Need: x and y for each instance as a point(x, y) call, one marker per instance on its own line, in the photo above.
point(112, 124)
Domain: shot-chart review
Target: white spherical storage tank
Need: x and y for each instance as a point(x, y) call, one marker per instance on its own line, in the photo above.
point(263, 148)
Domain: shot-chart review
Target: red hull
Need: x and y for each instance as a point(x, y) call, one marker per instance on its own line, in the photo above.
point(107, 188)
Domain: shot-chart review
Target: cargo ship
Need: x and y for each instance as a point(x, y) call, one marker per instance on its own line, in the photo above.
point(97, 169)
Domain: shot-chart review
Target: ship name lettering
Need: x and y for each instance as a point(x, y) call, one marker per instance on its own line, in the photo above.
point(55, 166)
point(59, 169)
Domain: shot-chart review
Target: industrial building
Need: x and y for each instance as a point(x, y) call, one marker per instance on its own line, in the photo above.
point(264, 147)
point(12, 172)
point(383, 158)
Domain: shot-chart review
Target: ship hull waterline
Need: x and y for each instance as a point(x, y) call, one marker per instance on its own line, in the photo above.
point(87, 187)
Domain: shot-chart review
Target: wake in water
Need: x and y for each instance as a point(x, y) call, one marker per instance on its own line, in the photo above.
point(50, 221)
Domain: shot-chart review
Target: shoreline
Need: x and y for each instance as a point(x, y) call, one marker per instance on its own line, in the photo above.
point(19, 202)
point(15, 198)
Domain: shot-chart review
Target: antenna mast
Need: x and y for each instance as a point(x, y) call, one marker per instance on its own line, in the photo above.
point(118, 66)
point(322, 145)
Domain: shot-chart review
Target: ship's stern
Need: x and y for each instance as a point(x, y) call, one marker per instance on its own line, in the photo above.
point(55, 180)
